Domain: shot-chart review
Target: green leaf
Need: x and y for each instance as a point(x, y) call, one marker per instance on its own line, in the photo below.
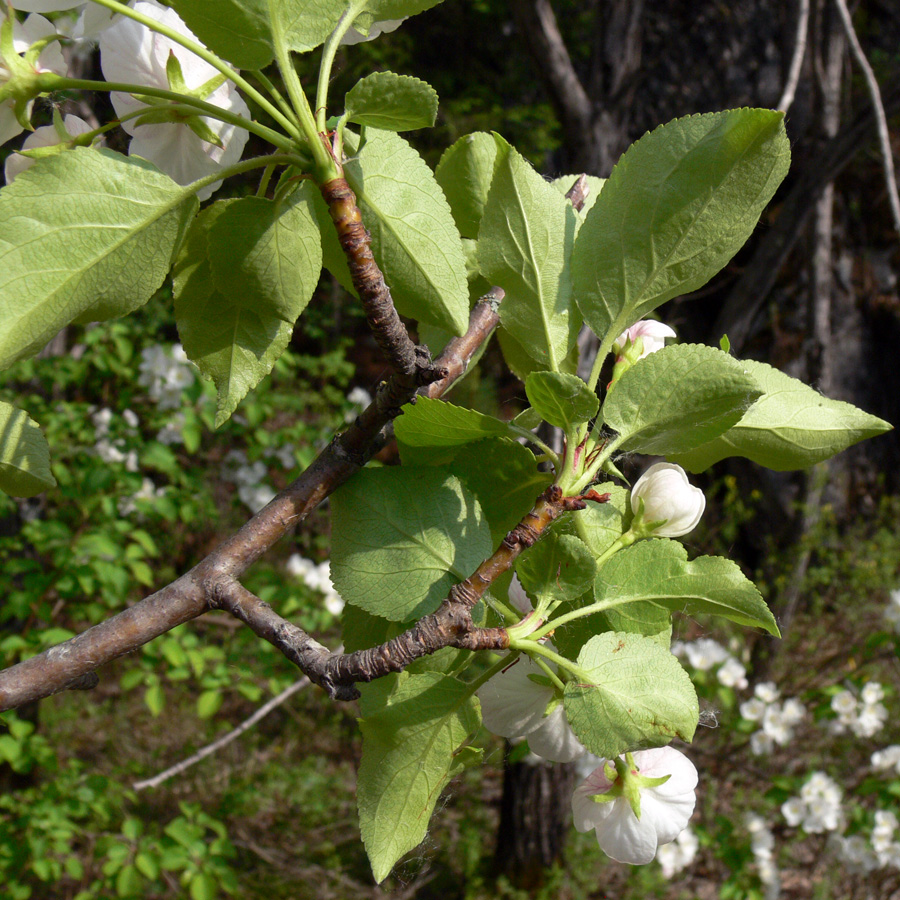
point(55, 268)
point(402, 537)
point(524, 244)
point(678, 398)
point(413, 727)
point(414, 239)
point(562, 400)
point(361, 630)
point(436, 423)
point(558, 567)
point(155, 699)
point(392, 102)
point(236, 311)
point(522, 365)
point(465, 173)
point(307, 23)
point(24, 454)
point(236, 30)
point(128, 881)
point(333, 257)
point(504, 476)
point(678, 205)
point(790, 426)
point(209, 703)
point(658, 571)
point(203, 887)
point(638, 696)
point(564, 184)
point(600, 525)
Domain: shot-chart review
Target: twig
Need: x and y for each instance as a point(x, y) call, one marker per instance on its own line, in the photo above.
point(790, 87)
point(70, 664)
point(223, 741)
point(450, 626)
point(407, 358)
point(880, 117)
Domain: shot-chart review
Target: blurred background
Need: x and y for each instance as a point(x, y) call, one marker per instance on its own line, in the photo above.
point(799, 756)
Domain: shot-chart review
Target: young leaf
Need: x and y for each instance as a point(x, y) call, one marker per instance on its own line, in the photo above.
point(436, 423)
point(413, 729)
point(678, 205)
point(678, 398)
point(524, 244)
point(562, 400)
point(236, 30)
point(414, 239)
point(790, 426)
point(600, 525)
point(55, 269)
point(465, 173)
point(392, 102)
point(24, 454)
point(264, 263)
point(638, 696)
point(504, 476)
point(402, 537)
point(658, 571)
point(559, 567)
point(522, 365)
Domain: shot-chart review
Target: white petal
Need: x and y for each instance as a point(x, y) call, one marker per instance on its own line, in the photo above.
point(9, 124)
point(43, 6)
point(554, 739)
point(625, 838)
point(511, 704)
point(45, 136)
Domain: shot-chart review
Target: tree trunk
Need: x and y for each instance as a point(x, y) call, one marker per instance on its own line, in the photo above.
point(535, 819)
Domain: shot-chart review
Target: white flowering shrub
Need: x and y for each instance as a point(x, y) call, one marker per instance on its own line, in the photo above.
point(422, 553)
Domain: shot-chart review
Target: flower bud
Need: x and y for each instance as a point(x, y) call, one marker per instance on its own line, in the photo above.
point(651, 333)
point(671, 505)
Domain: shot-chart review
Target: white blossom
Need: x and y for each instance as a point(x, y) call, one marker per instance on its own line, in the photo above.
point(818, 808)
point(732, 674)
point(354, 36)
point(892, 611)
point(663, 809)
point(317, 577)
point(762, 844)
point(888, 758)
point(165, 372)
point(131, 52)
point(679, 854)
point(45, 136)
point(50, 60)
point(513, 705)
point(652, 335)
point(668, 499)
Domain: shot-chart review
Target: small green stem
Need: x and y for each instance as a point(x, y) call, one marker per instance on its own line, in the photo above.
point(600, 358)
point(329, 51)
point(199, 50)
point(557, 682)
point(590, 473)
point(485, 677)
point(326, 168)
point(264, 181)
point(283, 105)
point(532, 438)
point(50, 82)
point(257, 162)
point(533, 648)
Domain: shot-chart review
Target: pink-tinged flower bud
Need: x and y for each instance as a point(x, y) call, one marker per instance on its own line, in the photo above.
point(671, 503)
point(652, 334)
point(638, 803)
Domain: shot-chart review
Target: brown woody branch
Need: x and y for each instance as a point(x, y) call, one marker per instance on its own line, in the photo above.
point(408, 359)
point(71, 665)
point(450, 626)
point(213, 583)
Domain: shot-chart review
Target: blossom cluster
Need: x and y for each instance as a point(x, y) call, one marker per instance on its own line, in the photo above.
point(888, 758)
point(864, 716)
point(109, 449)
point(248, 478)
point(706, 654)
point(817, 808)
point(892, 611)
point(777, 719)
point(677, 855)
point(186, 147)
point(881, 851)
point(165, 372)
point(317, 577)
point(762, 845)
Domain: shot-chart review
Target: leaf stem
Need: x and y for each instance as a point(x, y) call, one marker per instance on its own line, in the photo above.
point(531, 646)
point(326, 167)
point(329, 51)
point(48, 82)
point(216, 62)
